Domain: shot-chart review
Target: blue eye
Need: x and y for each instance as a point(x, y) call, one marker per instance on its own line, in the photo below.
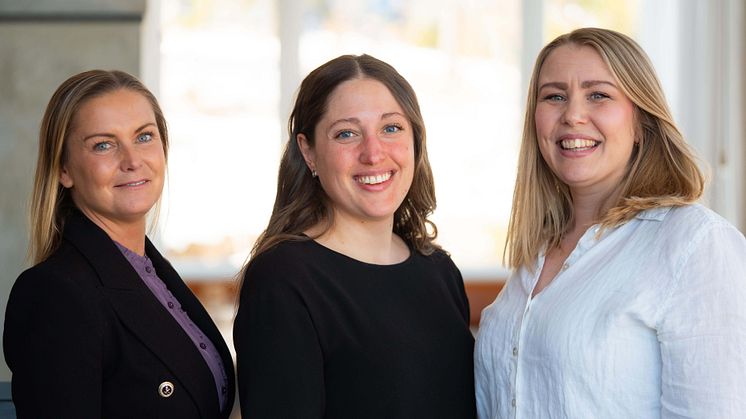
point(391, 129)
point(144, 137)
point(345, 134)
point(598, 96)
point(554, 98)
point(102, 146)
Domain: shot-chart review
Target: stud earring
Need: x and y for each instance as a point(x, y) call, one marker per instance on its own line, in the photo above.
point(314, 174)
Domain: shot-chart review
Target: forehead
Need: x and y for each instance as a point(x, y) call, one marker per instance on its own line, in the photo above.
point(116, 106)
point(573, 61)
point(361, 95)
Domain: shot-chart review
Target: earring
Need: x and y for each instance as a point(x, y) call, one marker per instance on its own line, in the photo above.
point(314, 174)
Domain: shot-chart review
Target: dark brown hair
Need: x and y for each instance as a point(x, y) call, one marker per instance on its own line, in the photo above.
point(301, 202)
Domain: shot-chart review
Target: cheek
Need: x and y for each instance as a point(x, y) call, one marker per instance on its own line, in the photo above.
point(543, 122)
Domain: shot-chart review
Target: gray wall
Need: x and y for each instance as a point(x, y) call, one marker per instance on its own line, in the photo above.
point(42, 42)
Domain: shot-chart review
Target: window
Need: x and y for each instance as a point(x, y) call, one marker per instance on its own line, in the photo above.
point(222, 72)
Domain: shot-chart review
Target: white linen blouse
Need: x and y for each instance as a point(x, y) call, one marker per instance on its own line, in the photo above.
point(646, 321)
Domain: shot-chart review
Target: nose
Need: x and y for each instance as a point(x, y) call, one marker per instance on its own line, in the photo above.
point(575, 111)
point(130, 158)
point(372, 149)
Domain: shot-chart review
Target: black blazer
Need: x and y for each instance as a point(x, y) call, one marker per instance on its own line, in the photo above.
point(86, 338)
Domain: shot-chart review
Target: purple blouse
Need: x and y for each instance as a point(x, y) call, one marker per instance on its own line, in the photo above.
point(145, 269)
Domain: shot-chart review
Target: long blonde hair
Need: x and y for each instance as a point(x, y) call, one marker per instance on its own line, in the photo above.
point(50, 202)
point(662, 170)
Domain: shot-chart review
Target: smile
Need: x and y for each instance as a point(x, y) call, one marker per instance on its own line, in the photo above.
point(578, 144)
point(138, 183)
point(374, 180)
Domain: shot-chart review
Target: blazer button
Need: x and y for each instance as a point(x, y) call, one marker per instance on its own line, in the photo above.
point(166, 389)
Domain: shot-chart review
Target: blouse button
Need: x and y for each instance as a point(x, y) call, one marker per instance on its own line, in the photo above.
point(202, 345)
point(148, 269)
point(170, 304)
point(515, 351)
point(512, 402)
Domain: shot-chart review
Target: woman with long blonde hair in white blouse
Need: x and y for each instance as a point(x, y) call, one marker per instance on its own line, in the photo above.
point(627, 298)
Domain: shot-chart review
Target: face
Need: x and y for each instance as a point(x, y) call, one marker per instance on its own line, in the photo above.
point(585, 124)
point(363, 151)
point(115, 161)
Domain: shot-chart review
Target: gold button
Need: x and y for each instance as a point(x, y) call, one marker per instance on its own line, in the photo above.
point(166, 389)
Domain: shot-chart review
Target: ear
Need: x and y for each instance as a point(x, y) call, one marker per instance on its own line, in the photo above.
point(65, 179)
point(308, 152)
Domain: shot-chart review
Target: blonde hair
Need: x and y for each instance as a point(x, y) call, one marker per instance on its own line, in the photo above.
point(50, 201)
point(662, 170)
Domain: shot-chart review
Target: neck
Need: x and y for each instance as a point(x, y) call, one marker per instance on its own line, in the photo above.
point(366, 241)
point(589, 206)
point(129, 234)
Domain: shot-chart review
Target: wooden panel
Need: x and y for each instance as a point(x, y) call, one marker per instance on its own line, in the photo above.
point(481, 294)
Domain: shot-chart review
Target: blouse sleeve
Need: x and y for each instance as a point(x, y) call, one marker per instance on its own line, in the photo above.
point(279, 359)
point(52, 343)
point(702, 328)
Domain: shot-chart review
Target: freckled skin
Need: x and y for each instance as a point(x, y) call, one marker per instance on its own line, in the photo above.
point(363, 133)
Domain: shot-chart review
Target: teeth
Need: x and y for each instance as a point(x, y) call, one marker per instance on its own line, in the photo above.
point(136, 183)
point(372, 180)
point(577, 143)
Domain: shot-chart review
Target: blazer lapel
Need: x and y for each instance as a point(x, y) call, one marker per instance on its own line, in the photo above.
point(142, 313)
point(196, 311)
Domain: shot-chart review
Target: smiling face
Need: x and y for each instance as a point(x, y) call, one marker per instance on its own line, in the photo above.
point(115, 162)
point(363, 152)
point(584, 122)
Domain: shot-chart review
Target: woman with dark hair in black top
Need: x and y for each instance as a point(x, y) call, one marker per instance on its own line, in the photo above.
point(348, 309)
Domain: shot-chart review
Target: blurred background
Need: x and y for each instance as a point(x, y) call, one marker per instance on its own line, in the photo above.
point(226, 72)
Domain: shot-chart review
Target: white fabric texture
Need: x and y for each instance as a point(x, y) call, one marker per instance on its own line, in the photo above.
point(646, 321)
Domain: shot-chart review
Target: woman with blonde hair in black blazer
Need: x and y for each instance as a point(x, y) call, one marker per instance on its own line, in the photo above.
point(102, 325)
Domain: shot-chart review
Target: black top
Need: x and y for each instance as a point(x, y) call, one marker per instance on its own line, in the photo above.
point(321, 335)
point(86, 338)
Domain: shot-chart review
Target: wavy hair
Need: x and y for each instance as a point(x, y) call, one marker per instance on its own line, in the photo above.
point(50, 202)
point(301, 202)
point(662, 170)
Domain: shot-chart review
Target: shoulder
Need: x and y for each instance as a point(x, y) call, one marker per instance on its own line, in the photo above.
point(66, 268)
point(287, 262)
point(59, 291)
point(690, 225)
point(439, 259)
point(693, 237)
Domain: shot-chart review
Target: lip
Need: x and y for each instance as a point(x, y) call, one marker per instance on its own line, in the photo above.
point(370, 182)
point(575, 136)
point(579, 151)
point(133, 184)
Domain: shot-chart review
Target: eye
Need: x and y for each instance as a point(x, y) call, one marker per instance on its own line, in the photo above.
point(145, 137)
point(554, 97)
point(344, 134)
point(103, 146)
point(598, 96)
point(392, 128)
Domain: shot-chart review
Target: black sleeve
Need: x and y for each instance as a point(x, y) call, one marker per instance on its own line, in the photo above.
point(279, 359)
point(52, 344)
point(457, 285)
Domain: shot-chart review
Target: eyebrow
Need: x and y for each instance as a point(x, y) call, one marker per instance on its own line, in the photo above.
point(586, 84)
point(109, 135)
point(354, 120)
